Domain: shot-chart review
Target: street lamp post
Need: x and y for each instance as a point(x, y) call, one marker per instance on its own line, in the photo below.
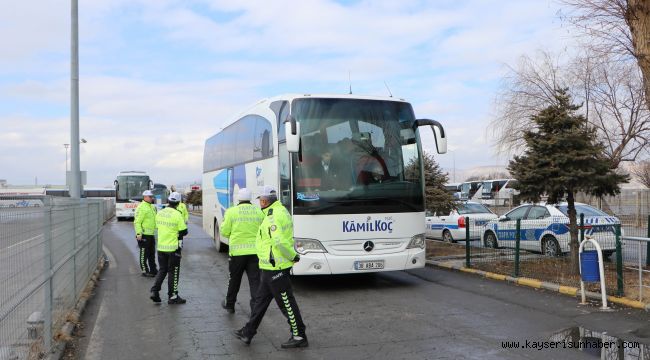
point(75, 171)
point(66, 146)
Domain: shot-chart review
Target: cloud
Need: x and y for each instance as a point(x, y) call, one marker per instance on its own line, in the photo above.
point(160, 76)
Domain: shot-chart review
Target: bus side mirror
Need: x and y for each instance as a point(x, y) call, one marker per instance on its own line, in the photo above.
point(151, 185)
point(292, 134)
point(117, 185)
point(438, 133)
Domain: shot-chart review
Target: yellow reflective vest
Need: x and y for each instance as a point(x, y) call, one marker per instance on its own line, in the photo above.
point(145, 219)
point(240, 226)
point(183, 209)
point(169, 222)
point(274, 242)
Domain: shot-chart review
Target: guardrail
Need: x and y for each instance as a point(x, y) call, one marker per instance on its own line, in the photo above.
point(640, 267)
point(49, 248)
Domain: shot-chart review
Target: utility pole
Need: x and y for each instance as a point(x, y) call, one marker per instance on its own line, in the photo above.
point(75, 181)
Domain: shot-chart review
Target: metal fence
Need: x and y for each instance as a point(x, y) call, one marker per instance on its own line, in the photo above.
point(631, 206)
point(540, 249)
point(49, 248)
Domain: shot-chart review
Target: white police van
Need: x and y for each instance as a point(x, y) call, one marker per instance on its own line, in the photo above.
point(545, 228)
point(451, 227)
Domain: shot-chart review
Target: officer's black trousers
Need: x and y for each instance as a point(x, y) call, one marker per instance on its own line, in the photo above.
point(170, 266)
point(237, 265)
point(148, 254)
point(275, 284)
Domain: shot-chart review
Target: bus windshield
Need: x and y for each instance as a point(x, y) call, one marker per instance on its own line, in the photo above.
point(486, 188)
point(161, 192)
point(357, 156)
point(131, 187)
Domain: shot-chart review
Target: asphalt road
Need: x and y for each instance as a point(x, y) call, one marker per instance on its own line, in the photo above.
point(423, 314)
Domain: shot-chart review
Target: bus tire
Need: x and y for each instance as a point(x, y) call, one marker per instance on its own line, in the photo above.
point(221, 247)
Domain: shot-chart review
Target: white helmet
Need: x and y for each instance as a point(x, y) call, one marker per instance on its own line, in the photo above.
point(267, 191)
point(175, 197)
point(244, 195)
point(147, 193)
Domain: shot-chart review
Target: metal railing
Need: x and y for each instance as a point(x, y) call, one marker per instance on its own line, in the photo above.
point(538, 249)
point(640, 269)
point(49, 249)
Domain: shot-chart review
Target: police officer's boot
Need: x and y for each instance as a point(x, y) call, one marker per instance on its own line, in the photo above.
point(295, 342)
point(240, 335)
point(175, 300)
point(155, 296)
point(224, 304)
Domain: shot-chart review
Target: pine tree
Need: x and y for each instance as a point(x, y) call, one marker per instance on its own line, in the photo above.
point(437, 198)
point(562, 157)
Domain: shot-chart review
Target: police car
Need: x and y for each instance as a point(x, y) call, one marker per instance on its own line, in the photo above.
point(545, 228)
point(451, 227)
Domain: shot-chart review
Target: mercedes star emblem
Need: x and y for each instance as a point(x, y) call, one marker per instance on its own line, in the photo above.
point(368, 246)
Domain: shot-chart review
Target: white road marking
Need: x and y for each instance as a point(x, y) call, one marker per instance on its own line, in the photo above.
point(25, 241)
point(96, 341)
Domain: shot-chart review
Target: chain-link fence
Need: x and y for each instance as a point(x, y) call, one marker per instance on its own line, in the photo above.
point(49, 248)
point(539, 249)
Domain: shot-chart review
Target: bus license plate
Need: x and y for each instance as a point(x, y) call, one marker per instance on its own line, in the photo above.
point(369, 265)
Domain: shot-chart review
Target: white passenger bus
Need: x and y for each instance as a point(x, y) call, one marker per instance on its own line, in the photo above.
point(129, 186)
point(348, 168)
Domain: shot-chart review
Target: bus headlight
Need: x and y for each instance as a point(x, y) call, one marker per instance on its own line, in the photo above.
point(304, 246)
point(417, 241)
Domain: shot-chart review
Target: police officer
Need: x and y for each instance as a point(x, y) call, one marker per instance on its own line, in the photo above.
point(181, 205)
point(274, 245)
point(171, 229)
point(145, 226)
point(240, 225)
point(183, 209)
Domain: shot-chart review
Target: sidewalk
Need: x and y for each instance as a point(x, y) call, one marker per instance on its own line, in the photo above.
point(121, 320)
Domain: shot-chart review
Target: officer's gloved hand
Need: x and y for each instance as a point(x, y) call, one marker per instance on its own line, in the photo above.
point(297, 258)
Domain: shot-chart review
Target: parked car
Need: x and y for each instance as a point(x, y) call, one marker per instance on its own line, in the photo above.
point(450, 227)
point(545, 228)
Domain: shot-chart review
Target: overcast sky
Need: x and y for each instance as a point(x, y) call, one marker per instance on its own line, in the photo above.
point(159, 76)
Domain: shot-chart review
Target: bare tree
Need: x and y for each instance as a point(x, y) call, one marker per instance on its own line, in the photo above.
point(616, 27)
point(614, 103)
point(641, 171)
point(525, 90)
point(611, 92)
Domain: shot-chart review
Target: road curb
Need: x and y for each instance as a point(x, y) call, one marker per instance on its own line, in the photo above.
point(64, 335)
point(537, 284)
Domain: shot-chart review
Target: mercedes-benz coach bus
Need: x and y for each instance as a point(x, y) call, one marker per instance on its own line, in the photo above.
point(129, 186)
point(348, 168)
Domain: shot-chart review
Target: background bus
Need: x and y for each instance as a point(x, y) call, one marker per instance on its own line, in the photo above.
point(498, 192)
point(348, 168)
point(129, 186)
point(468, 189)
point(87, 193)
point(161, 193)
